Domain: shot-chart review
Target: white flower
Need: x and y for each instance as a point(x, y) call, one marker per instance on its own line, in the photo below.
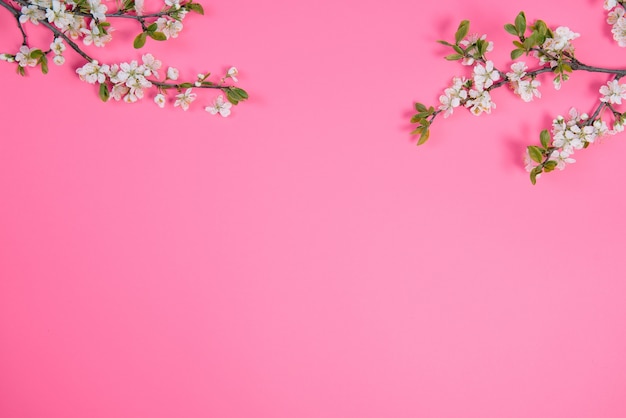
point(24, 57)
point(172, 73)
point(613, 92)
point(75, 27)
point(58, 59)
point(232, 73)
point(484, 77)
point(184, 99)
point(139, 6)
point(119, 91)
point(170, 27)
point(219, 106)
point(613, 16)
point(173, 3)
point(562, 158)
point(32, 13)
point(152, 65)
point(96, 36)
point(518, 71)
point(57, 46)
point(528, 89)
point(453, 96)
point(609, 4)
point(159, 99)
point(480, 101)
point(619, 31)
point(97, 10)
point(92, 72)
point(58, 16)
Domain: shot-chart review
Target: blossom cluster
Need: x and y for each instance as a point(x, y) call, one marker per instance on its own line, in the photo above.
point(128, 81)
point(73, 21)
point(617, 20)
point(554, 52)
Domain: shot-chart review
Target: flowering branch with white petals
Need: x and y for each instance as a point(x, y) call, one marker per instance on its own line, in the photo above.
point(81, 23)
point(554, 52)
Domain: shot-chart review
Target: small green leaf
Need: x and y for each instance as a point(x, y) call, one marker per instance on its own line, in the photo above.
point(462, 31)
point(36, 53)
point(104, 92)
point(196, 8)
point(420, 107)
point(231, 98)
point(424, 137)
point(510, 29)
point(534, 173)
point(44, 64)
point(516, 53)
point(535, 153)
point(549, 166)
point(444, 43)
point(457, 49)
point(140, 40)
point(20, 70)
point(544, 137)
point(152, 27)
point(186, 85)
point(520, 23)
point(453, 57)
point(157, 36)
point(238, 94)
point(418, 130)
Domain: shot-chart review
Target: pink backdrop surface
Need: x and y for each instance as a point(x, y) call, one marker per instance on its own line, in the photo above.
point(302, 258)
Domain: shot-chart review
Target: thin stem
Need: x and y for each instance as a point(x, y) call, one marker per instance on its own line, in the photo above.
point(67, 39)
point(17, 15)
point(164, 85)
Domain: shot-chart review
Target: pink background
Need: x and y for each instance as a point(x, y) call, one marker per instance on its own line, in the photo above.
point(303, 258)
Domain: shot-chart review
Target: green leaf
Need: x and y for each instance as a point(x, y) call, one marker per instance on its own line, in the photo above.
point(420, 107)
point(444, 43)
point(36, 53)
point(549, 166)
point(453, 57)
point(239, 94)
point(231, 97)
point(462, 31)
point(44, 64)
point(544, 137)
point(516, 53)
point(104, 92)
point(510, 29)
point(535, 153)
point(186, 85)
point(424, 137)
point(152, 27)
point(196, 8)
point(157, 36)
point(418, 130)
point(520, 23)
point(21, 71)
point(534, 173)
point(140, 40)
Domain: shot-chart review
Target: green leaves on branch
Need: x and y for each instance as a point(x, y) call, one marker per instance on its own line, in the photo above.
point(235, 94)
point(540, 156)
point(150, 31)
point(421, 118)
point(462, 31)
point(194, 7)
point(524, 44)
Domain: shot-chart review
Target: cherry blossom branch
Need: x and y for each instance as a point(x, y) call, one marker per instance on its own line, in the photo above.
point(555, 52)
point(86, 20)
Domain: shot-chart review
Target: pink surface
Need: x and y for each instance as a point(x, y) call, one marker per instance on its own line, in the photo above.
point(303, 258)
